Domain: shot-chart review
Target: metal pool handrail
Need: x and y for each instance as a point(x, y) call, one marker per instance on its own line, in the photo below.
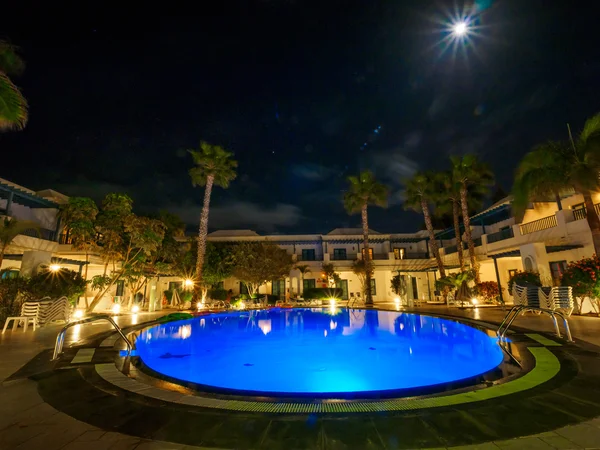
point(515, 311)
point(60, 338)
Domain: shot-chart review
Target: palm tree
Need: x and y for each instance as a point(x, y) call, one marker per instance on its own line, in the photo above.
point(13, 106)
point(304, 269)
point(214, 166)
point(365, 190)
point(10, 229)
point(448, 202)
point(470, 173)
point(420, 191)
point(555, 167)
point(540, 175)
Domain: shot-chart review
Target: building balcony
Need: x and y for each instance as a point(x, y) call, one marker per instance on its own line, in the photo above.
point(301, 258)
point(501, 235)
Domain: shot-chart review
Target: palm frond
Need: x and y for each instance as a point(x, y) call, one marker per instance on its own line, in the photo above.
point(363, 190)
point(215, 161)
point(10, 61)
point(13, 106)
point(591, 129)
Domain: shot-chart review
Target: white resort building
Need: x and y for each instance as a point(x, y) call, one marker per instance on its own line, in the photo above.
point(545, 239)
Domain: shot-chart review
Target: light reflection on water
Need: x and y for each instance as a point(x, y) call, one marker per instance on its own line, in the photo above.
point(313, 350)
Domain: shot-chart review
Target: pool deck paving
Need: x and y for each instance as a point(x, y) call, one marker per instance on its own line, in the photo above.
point(30, 420)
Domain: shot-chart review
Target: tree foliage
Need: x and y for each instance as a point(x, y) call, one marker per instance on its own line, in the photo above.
point(398, 285)
point(259, 262)
point(332, 278)
point(584, 277)
point(13, 106)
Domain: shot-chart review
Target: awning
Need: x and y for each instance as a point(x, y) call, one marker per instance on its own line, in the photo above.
point(54, 260)
point(25, 198)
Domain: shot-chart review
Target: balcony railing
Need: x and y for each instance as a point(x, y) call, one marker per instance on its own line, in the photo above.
point(454, 248)
point(42, 233)
point(339, 257)
point(581, 213)
point(309, 258)
point(415, 255)
point(500, 235)
point(538, 225)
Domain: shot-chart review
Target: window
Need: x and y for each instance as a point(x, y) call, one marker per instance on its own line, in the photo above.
point(9, 274)
point(557, 268)
point(308, 254)
point(175, 285)
point(120, 288)
point(512, 273)
point(339, 254)
point(370, 253)
point(308, 284)
point(399, 253)
point(373, 287)
point(278, 287)
point(415, 288)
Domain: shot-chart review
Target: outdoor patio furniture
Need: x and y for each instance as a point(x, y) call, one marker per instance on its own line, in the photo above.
point(29, 314)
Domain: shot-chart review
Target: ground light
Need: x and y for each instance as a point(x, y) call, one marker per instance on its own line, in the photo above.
point(135, 309)
point(188, 283)
point(474, 301)
point(116, 309)
point(78, 313)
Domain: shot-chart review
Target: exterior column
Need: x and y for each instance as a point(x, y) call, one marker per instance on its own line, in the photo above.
point(9, 204)
point(428, 285)
point(498, 279)
point(32, 260)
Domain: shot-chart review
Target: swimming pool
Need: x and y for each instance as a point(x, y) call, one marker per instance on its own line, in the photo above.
point(317, 351)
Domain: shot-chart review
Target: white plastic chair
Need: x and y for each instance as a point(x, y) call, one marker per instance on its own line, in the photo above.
point(29, 314)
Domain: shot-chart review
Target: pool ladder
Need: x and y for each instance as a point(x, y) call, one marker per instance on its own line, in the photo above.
point(517, 310)
point(60, 339)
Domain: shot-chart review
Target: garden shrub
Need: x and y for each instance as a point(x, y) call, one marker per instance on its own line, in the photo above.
point(584, 277)
point(523, 278)
point(217, 294)
point(16, 290)
point(488, 291)
point(322, 293)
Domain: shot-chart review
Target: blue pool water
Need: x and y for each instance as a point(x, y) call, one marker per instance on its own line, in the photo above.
point(318, 350)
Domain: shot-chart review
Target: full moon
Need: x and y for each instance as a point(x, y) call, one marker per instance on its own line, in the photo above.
point(460, 28)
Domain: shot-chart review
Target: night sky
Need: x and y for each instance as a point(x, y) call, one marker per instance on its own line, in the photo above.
point(304, 93)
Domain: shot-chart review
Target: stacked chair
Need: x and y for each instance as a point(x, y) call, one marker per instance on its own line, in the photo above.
point(552, 298)
point(41, 312)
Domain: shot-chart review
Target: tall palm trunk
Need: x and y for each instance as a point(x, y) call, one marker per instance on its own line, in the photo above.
point(457, 233)
point(432, 241)
point(202, 233)
point(467, 222)
point(367, 256)
point(592, 220)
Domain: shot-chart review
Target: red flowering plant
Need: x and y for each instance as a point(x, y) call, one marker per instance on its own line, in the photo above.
point(521, 277)
point(584, 277)
point(488, 291)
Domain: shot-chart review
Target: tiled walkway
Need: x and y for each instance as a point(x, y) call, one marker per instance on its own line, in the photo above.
point(27, 422)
